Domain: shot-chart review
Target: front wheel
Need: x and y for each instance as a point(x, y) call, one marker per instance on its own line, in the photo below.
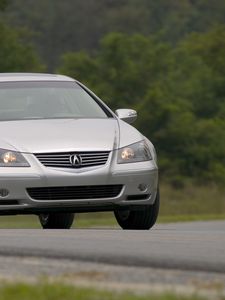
point(56, 220)
point(139, 219)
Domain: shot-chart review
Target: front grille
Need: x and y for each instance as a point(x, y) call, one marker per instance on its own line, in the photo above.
point(75, 192)
point(66, 159)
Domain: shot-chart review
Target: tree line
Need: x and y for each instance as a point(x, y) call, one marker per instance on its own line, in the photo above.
point(171, 70)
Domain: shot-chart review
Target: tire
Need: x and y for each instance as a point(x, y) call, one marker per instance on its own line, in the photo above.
point(139, 219)
point(56, 220)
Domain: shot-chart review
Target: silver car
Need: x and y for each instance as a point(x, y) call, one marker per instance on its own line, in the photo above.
point(63, 151)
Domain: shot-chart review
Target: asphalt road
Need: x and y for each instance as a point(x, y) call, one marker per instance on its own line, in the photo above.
point(196, 246)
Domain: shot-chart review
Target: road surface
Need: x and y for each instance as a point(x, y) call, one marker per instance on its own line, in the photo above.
point(194, 246)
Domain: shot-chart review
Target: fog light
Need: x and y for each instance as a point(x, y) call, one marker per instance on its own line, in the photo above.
point(142, 187)
point(4, 193)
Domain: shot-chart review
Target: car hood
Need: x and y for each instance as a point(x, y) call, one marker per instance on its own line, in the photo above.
point(62, 135)
point(59, 135)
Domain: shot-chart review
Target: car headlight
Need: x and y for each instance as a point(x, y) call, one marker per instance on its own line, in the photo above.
point(134, 153)
point(12, 159)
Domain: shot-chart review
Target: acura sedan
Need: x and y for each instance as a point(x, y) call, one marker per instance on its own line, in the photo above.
point(63, 151)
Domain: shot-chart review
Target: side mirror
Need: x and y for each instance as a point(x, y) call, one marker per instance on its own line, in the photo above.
point(127, 115)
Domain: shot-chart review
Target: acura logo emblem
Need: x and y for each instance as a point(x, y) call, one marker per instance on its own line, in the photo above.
point(75, 160)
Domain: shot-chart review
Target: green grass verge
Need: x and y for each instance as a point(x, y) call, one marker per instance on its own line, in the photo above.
point(97, 220)
point(189, 218)
point(57, 291)
point(190, 203)
point(192, 200)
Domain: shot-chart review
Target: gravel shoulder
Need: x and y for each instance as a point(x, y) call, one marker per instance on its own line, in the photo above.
point(105, 276)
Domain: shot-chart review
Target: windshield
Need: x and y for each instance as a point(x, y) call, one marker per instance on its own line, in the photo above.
point(46, 100)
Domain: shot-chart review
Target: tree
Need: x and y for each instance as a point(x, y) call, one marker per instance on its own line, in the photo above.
point(123, 69)
point(77, 25)
point(15, 55)
point(185, 109)
point(3, 4)
point(179, 93)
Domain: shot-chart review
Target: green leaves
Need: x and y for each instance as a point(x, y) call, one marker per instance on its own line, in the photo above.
point(178, 92)
point(15, 55)
point(3, 4)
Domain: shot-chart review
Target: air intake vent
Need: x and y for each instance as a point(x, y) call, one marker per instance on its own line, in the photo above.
point(9, 202)
point(73, 159)
point(75, 192)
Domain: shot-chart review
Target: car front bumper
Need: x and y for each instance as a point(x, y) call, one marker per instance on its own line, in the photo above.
point(139, 186)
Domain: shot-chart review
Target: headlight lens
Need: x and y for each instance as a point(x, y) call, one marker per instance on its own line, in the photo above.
point(134, 153)
point(12, 159)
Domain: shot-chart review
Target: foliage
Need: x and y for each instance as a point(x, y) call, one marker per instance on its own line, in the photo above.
point(178, 91)
point(15, 55)
point(3, 4)
point(75, 25)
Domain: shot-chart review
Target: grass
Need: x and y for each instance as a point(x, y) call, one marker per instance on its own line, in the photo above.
point(190, 203)
point(192, 200)
point(59, 291)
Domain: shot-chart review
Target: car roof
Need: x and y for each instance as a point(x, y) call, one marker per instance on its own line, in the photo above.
point(9, 77)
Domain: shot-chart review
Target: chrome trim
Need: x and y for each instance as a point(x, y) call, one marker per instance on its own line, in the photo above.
point(73, 160)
